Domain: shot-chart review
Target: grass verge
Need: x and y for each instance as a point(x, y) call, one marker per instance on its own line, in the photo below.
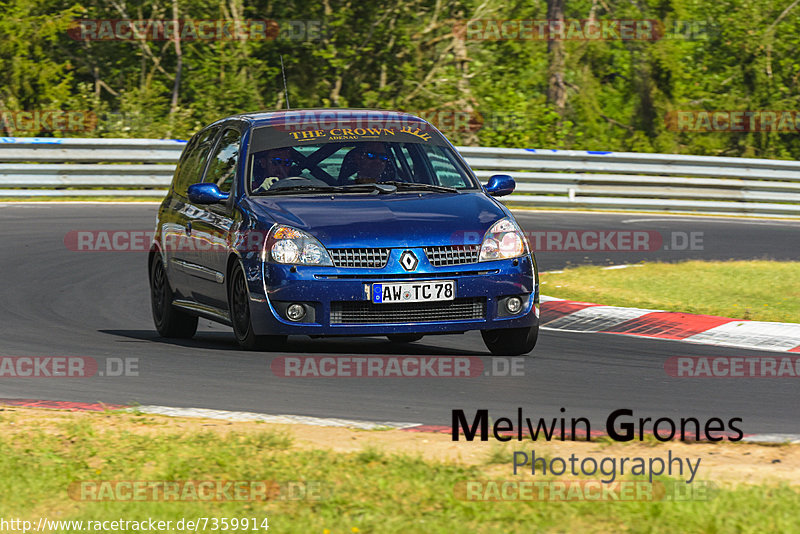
point(755, 290)
point(368, 490)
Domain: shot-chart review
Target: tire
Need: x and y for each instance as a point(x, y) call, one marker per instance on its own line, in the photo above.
point(169, 320)
point(404, 338)
point(239, 304)
point(511, 341)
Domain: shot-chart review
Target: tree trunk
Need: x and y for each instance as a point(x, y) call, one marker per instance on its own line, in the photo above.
point(179, 63)
point(465, 100)
point(556, 88)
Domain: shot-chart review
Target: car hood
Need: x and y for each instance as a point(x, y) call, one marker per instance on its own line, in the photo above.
point(394, 220)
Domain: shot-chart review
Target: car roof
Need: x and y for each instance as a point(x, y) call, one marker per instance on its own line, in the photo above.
point(302, 115)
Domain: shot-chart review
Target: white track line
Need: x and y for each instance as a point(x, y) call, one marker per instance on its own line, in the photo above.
point(281, 419)
point(752, 334)
point(712, 219)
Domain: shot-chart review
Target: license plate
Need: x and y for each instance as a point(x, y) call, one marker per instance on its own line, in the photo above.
point(414, 292)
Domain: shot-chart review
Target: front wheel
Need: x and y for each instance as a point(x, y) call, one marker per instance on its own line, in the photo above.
point(511, 341)
point(239, 299)
point(169, 321)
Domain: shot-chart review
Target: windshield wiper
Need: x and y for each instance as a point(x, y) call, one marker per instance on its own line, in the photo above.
point(354, 188)
point(300, 189)
point(427, 187)
point(376, 187)
point(371, 187)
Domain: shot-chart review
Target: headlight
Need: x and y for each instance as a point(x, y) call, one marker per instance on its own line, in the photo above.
point(292, 246)
point(504, 240)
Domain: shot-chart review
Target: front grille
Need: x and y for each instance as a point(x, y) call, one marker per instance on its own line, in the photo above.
point(453, 255)
point(360, 312)
point(405, 276)
point(374, 258)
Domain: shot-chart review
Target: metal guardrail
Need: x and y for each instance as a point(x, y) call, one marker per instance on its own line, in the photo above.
point(31, 167)
point(61, 167)
point(652, 182)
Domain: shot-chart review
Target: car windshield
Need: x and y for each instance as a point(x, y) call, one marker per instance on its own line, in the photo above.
point(408, 163)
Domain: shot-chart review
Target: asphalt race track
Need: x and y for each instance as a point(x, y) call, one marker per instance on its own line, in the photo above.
point(58, 302)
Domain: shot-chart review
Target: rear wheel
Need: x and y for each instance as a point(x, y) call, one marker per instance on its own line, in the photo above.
point(239, 299)
point(404, 338)
point(511, 341)
point(169, 321)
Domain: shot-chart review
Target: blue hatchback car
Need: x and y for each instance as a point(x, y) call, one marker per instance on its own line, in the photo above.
point(331, 222)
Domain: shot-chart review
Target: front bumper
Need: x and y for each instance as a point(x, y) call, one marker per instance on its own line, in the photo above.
point(333, 292)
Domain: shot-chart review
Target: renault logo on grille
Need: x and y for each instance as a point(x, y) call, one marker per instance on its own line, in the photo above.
point(408, 260)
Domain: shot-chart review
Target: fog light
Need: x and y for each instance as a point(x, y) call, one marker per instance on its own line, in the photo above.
point(514, 304)
point(295, 312)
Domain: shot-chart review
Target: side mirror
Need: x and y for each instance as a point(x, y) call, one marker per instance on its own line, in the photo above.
point(206, 194)
point(500, 185)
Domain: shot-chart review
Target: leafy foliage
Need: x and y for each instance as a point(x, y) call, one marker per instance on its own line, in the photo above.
point(415, 55)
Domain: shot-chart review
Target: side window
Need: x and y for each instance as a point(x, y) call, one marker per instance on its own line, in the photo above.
point(222, 169)
point(447, 174)
point(190, 168)
point(406, 162)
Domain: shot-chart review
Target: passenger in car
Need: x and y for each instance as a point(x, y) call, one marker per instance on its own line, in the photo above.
point(371, 162)
point(270, 166)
